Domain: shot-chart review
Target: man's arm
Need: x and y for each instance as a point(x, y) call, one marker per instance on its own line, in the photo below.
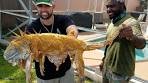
point(72, 31)
point(137, 41)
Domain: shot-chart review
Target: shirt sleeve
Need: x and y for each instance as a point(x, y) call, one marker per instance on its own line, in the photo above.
point(66, 21)
point(136, 28)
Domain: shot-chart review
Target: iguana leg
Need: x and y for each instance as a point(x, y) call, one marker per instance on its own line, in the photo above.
point(28, 70)
point(79, 65)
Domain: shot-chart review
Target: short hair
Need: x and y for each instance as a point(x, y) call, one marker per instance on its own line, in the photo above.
point(117, 1)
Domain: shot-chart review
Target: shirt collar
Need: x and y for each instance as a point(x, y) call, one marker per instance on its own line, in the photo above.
point(119, 17)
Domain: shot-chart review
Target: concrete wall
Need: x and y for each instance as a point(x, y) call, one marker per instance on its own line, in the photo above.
point(72, 5)
point(91, 5)
point(64, 5)
point(132, 5)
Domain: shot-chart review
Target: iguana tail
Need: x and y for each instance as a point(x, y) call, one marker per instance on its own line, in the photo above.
point(94, 46)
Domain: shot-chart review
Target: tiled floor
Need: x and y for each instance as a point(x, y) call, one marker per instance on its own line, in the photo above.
point(142, 70)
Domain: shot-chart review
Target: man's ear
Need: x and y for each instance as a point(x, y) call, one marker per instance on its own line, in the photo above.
point(123, 6)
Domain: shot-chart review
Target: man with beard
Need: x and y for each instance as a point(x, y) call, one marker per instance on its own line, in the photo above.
point(51, 23)
point(118, 64)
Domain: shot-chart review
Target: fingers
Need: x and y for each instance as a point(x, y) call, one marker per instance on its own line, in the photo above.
point(72, 31)
point(123, 25)
point(101, 66)
point(126, 32)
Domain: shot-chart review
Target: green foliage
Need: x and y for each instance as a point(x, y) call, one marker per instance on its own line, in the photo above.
point(13, 74)
point(9, 73)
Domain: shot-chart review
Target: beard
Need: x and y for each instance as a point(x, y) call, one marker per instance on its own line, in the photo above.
point(45, 15)
point(114, 14)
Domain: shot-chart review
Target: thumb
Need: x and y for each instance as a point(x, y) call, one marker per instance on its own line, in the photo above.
point(123, 25)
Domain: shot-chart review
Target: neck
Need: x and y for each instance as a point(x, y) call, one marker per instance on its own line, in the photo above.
point(120, 16)
point(47, 22)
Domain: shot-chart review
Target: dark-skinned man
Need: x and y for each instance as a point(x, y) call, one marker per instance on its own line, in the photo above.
point(118, 63)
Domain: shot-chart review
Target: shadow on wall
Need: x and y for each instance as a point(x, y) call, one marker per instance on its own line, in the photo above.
point(82, 19)
point(85, 19)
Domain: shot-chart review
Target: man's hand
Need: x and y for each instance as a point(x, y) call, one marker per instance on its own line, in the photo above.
point(101, 66)
point(72, 31)
point(126, 32)
point(137, 41)
point(72, 34)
